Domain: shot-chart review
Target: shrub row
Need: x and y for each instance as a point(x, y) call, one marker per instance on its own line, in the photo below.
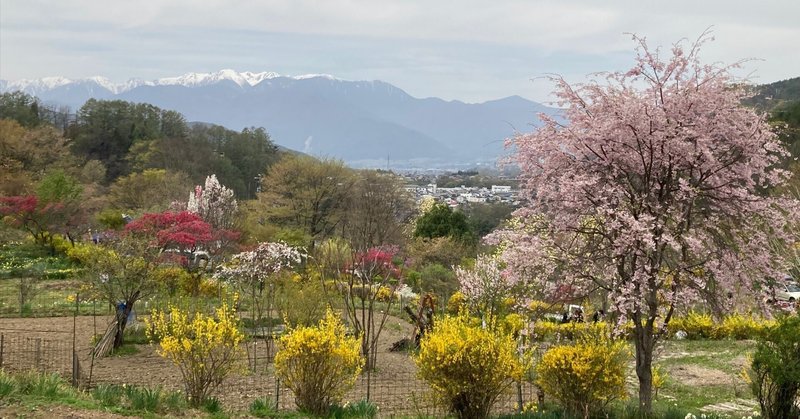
point(695, 325)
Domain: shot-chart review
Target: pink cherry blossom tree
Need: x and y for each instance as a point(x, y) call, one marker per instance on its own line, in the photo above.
point(652, 191)
point(485, 285)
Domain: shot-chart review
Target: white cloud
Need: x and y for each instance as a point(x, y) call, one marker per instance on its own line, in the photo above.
point(164, 38)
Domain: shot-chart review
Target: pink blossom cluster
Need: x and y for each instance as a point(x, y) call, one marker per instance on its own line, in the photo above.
point(29, 212)
point(486, 283)
point(377, 262)
point(652, 191)
point(179, 230)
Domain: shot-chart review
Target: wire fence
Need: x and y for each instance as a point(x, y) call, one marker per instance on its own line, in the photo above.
point(58, 299)
point(21, 353)
point(61, 345)
point(395, 391)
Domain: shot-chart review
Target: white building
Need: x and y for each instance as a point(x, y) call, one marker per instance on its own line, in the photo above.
point(499, 188)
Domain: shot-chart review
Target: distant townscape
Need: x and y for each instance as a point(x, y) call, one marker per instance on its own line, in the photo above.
point(464, 194)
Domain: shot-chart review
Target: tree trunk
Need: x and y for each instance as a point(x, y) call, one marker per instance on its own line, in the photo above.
point(644, 340)
point(122, 321)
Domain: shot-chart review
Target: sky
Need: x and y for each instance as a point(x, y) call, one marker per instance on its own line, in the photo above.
point(466, 50)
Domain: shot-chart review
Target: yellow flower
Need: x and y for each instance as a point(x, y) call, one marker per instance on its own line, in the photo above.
point(192, 341)
point(317, 357)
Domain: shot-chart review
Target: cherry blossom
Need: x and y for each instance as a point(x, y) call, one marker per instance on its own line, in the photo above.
point(653, 192)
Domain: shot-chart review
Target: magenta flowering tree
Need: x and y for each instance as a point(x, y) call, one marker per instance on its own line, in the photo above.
point(652, 191)
point(370, 280)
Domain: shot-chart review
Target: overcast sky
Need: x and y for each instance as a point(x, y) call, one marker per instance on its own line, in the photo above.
point(455, 49)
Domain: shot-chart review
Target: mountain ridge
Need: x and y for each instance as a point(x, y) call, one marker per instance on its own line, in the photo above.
point(357, 121)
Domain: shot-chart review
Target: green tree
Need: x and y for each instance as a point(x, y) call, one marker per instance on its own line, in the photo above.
point(237, 158)
point(775, 370)
point(57, 186)
point(107, 130)
point(785, 120)
point(151, 190)
point(306, 194)
point(485, 217)
point(26, 154)
point(121, 270)
point(442, 221)
point(437, 279)
point(20, 107)
point(251, 152)
point(64, 193)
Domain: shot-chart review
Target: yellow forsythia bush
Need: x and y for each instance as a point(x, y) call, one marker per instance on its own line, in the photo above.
point(696, 325)
point(659, 379)
point(544, 330)
point(467, 366)
point(586, 376)
point(205, 348)
point(735, 326)
point(738, 326)
point(537, 309)
point(456, 303)
point(384, 294)
point(319, 364)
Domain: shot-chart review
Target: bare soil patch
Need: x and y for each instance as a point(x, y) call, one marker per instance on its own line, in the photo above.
point(694, 375)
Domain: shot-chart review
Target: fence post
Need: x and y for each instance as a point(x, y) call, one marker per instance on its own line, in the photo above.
point(519, 397)
point(37, 360)
point(76, 369)
point(277, 393)
point(2, 341)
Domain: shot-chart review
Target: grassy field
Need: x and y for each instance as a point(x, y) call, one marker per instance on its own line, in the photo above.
point(706, 376)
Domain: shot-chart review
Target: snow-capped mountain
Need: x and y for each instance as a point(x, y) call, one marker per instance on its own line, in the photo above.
point(242, 79)
point(36, 86)
point(316, 113)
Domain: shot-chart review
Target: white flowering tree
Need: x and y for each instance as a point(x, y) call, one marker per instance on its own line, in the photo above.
point(214, 203)
point(256, 272)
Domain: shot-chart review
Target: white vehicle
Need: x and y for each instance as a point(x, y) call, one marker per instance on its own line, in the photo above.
point(788, 291)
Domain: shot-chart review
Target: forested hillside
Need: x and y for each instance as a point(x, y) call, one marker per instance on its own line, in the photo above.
point(781, 102)
point(117, 139)
point(68, 173)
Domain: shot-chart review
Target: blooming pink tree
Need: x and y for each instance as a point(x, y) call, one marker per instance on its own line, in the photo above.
point(370, 274)
point(485, 285)
point(27, 213)
point(41, 218)
point(652, 191)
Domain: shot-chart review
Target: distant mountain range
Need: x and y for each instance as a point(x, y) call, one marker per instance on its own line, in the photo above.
point(358, 121)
